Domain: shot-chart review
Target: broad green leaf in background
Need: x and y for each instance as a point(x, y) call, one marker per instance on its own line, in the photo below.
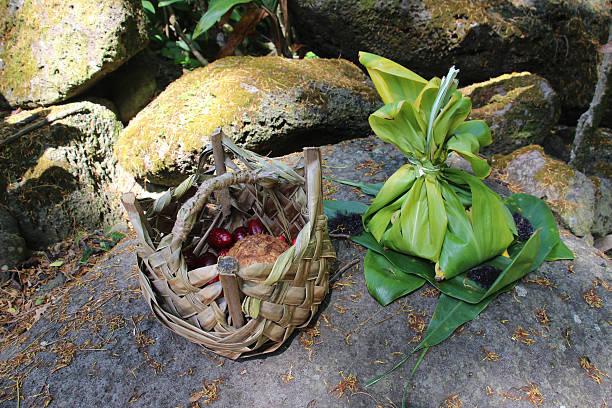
point(148, 6)
point(333, 208)
point(385, 282)
point(165, 3)
point(392, 81)
point(216, 10)
point(371, 189)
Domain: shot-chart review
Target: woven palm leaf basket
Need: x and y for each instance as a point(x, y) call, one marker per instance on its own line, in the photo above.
point(252, 309)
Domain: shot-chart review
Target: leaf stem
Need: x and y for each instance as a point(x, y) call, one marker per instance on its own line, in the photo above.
point(438, 105)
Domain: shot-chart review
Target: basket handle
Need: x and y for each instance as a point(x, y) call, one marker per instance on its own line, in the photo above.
point(314, 193)
point(186, 216)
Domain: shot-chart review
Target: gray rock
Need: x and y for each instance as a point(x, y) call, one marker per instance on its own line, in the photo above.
point(51, 51)
point(268, 104)
point(602, 221)
point(599, 154)
point(484, 39)
point(131, 359)
point(569, 193)
point(520, 109)
point(132, 87)
point(63, 174)
point(13, 249)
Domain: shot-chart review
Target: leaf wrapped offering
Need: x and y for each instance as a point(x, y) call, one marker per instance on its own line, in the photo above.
point(427, 209)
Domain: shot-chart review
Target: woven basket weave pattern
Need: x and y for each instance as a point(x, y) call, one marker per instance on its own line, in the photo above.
point(278, 300)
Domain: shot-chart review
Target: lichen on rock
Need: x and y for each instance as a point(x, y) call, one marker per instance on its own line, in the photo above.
point(269, 104)
point(520, 109)
point(53, 50)
point(569, 193)
point(59, 177)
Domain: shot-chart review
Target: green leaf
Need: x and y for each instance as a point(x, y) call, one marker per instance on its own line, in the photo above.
point(446, 89)
point(421, 224)
point(39, 301)
point(165, 3)
point(115, 236)
point(400, 124)
point(59, 262)
point(470, 242)
point(451, 313)
point(385, 282)
point(216, 10)
point(540, 216)
point(371, 189)
point(453, 114)
point(333, 208)
point(392, 81)
point(88, 252)
point(478, 129)
point(148, 6)
point(459, 287)
point(467, 146)
point(559, 251)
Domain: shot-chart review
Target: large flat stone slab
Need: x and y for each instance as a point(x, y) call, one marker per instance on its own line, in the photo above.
point(103, 347)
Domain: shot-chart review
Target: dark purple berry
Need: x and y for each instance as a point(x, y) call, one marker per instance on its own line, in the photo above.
point(484, 275)
point(524, 228)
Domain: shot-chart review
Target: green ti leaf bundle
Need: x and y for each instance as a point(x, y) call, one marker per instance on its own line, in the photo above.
point(427, 209)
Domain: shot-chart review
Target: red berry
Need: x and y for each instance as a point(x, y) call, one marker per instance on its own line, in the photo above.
point(256, 227)
point(282, 237)
point(293, 242)
point(191, 260)
point(223, 252)
point(240, 233)
point(220, 238)
point(207, 259)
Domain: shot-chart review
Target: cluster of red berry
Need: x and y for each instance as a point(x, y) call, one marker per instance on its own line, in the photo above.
point(222, 240)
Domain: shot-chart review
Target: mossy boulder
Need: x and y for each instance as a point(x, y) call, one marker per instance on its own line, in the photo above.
point(520, 109)
point(484, 38)
point(53, 50)
point(268, 104)
point(569, 193)
point(60, 177)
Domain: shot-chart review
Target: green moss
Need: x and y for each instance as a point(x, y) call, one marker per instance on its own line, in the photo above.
point(556, 174)
point(223, 93)
point(19, 63)
point(47, 60)
point(446, 14)
point(500, 161)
